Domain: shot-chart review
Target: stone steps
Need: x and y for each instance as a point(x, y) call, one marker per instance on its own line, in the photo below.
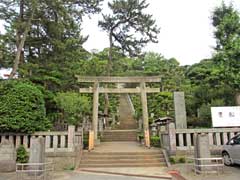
point(146, 158)
point(126, 118)
point(124, 165)
point(119, 135)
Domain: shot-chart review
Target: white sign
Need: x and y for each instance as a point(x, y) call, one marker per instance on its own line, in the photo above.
point(225, 116)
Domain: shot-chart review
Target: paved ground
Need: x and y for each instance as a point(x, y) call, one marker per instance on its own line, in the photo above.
point(95, 176)
point(230, 173)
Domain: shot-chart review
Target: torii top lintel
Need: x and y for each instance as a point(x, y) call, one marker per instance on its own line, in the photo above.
point(117, 79)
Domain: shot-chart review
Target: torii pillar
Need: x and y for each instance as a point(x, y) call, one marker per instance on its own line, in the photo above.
point(145, 113)
point(95, 110)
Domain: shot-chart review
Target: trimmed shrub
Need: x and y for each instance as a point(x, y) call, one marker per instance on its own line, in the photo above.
point(172, 160)
point(22, 108)
point(182, 160)
point(22, 155)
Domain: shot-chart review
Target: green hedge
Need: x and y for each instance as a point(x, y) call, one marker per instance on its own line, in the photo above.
point(22, 107)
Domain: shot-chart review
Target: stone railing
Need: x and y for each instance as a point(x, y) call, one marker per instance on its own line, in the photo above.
point(175, 140)
point(56, 141)
point(217, 137)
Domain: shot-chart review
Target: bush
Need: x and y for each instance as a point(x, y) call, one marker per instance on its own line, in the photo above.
point(182, 160)
point(22, 108)
point(172, 160)
point(155, 141)
point(177, 159)
point(22, 155)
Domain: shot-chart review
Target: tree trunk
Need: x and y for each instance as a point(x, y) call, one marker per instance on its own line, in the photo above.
point(20, 47)
point(20, 30)
point(109, 68)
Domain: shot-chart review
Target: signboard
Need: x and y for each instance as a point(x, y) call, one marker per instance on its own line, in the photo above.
point(225, 116)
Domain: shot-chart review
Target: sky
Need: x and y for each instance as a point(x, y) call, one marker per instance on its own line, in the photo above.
point(186, 31)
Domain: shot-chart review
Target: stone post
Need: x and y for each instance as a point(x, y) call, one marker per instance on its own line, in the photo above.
point(144, 110)
point(37, 155)
point(180, 110)
point(172, 138)
point(7, 156)
point(100, 125)
point(71, 137)
point(37, 150)
point(201, 150)
point(153, 129)
point(237, 98)
point(95, 110)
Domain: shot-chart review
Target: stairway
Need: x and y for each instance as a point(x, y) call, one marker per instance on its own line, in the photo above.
point(119, 135)
point(126, 112)
point(122, 159)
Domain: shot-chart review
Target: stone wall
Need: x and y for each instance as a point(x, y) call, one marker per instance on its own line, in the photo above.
point(61, 147)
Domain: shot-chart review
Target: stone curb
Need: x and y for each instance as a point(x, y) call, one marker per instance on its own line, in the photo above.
point(126, 174)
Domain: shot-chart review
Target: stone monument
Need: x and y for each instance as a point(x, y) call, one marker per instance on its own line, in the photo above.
point(180, 110)
point(7, 156)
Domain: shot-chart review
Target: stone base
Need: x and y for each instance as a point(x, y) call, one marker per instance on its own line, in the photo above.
point(7, 166)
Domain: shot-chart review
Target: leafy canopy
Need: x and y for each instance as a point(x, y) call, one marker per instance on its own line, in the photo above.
point(22, 108)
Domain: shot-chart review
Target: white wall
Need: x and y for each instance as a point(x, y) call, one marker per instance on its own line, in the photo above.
point(226, 116)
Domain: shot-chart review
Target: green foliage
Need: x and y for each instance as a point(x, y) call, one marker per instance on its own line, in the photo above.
point(69, 168)
point(74, 106)
point(182, 160)
point(155, 141)
point(226, 21)
point(177, 159)
point(127, 16)
point(22, 155)
point(172, 160)
point(22, 108)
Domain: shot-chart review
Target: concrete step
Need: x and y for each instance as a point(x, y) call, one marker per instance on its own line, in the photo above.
point(143, 158)
point(123, 165)
point(119, 135)
point(138, 153)
point(120, 161)
point(123, 157)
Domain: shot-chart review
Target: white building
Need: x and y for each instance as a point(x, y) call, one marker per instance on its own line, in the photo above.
point(4, 73)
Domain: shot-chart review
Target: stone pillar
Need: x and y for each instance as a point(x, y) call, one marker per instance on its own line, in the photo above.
point(180, 110)
point(172, 138)
point(7, 156)
point(37, 154)
point(71, 137)
point(100, 125)
point(95, 110)
point(237, 98)
point(37, 150)
point(201, 150)
point(144, 110)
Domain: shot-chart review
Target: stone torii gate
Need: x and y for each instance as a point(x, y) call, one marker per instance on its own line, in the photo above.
point(142, 90)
